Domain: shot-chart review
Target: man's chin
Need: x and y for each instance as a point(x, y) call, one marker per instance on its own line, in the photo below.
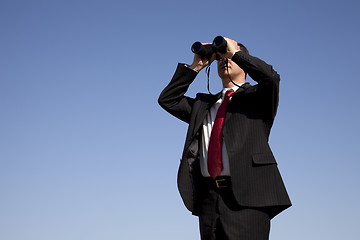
point(225, 73)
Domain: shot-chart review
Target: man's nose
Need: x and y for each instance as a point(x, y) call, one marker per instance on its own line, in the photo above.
point(223, 61)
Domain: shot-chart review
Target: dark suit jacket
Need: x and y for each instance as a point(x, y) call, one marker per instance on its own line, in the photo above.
point(256, 180)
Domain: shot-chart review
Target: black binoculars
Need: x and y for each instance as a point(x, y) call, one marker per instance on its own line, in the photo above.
point(206, 51)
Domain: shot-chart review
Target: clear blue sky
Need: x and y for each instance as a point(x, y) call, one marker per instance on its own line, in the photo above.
point(87, 153)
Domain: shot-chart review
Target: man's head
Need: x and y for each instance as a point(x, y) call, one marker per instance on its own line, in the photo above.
point(236, 73)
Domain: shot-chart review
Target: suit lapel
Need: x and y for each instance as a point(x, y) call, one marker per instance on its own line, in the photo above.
point(243, 87)
point(239, 91)
point(205, 105)
point(206, 101)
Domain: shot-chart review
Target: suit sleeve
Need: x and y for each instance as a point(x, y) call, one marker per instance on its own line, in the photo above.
point(173, 98)
point(267, 78)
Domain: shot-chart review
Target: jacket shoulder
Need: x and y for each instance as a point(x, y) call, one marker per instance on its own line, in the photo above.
point(202, 96)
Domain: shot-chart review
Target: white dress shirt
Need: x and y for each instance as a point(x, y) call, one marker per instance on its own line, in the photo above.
point(206, 132)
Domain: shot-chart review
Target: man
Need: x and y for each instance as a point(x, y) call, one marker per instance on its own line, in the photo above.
point(228, 175)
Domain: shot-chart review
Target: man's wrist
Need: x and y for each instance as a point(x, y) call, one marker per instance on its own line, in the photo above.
point(196, 68)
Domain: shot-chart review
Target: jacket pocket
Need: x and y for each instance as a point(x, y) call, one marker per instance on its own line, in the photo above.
point(263, 159)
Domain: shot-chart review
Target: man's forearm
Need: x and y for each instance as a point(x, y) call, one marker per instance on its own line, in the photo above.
point(173, 98)
point(257, 69)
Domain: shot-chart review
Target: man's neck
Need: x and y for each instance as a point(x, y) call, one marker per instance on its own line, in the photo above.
point(230, 84)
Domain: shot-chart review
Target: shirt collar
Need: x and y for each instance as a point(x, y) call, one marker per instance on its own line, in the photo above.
point(235, 88)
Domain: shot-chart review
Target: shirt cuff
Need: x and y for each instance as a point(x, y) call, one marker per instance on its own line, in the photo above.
point(190, 68)
point(235, 52)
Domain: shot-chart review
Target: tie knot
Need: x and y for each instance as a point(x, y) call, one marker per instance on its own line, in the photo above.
point(229, 93)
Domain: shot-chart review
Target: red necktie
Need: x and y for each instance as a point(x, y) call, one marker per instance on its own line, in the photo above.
point(214, 157)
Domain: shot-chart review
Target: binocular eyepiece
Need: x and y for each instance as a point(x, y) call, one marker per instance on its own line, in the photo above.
point(206, 51)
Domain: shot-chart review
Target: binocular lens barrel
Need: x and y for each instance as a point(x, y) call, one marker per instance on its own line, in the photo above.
point(196, 47)
point(204, 51)
point(219, 45)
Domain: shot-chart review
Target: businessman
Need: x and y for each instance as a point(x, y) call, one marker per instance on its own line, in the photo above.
point(228, 176)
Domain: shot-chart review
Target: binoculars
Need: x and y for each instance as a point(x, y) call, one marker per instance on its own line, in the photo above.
point(206, 51)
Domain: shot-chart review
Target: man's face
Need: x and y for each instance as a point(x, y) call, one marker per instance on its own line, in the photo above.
point(231, 69)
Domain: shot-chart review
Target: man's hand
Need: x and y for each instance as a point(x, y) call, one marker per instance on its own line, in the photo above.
point(199, 63)
point(232, 47)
